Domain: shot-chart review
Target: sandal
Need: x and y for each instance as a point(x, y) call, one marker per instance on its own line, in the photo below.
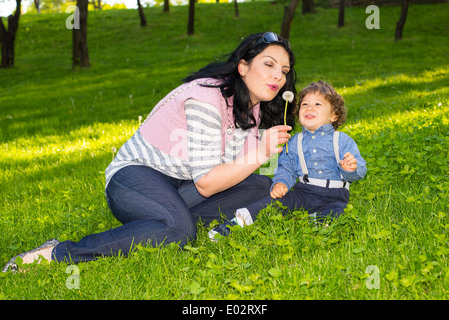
point(13, 267)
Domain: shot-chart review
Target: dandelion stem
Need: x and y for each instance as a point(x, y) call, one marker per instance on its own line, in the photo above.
point(288, 96)
point(285, 121)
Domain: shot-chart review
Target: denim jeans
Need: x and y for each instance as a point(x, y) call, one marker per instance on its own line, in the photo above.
point(319, 201)
point(155, 208)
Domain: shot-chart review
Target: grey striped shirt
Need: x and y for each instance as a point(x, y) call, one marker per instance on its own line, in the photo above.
point(204, 147)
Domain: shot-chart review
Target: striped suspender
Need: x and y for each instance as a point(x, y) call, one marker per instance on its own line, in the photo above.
point(337, 150)
point(336, 146)
point(305, 172)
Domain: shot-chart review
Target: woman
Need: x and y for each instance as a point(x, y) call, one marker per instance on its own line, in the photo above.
point(194, 156)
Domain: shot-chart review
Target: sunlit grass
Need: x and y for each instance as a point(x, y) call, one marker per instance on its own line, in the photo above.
point(93, 139)
point(426, 77)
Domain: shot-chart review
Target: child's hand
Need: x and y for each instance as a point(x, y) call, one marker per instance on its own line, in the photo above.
point(279, 190)
point(349, 163)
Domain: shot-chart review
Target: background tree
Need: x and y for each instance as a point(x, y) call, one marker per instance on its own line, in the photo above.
point(236, 9)
point(8, 36)
point(166, 6)
point(37, 5)
point(143, 21)
point(341, 13)
point(289, 13)
point(97, 4)
point(400, 24)
point(80, 55)
point(307, 6)
point(191, 21)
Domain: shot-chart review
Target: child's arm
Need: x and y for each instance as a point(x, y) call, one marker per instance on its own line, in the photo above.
point(286, 172)
point(352, 166)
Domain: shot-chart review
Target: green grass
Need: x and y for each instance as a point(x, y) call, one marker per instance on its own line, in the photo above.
point(59, 128)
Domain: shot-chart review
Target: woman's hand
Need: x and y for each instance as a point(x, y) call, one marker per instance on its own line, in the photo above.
point(273, 139)
point(226, 175)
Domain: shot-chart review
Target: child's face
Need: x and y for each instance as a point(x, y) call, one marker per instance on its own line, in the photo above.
point(315, 111)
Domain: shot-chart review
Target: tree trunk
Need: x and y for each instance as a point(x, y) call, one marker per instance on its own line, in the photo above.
point(37, 4)
point(143, 21)
point(80, 55)
point(289, 13)
point(166, 6)
point(236, 7)
point(341, 13)
point(191, 21)
point(307, 6)
point(400, 24)
point(7, 37)
point(97, 4)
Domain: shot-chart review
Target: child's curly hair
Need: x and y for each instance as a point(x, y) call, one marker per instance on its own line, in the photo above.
point(336, 101)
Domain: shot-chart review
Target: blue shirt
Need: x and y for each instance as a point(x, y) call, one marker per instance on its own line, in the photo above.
point(320, 158)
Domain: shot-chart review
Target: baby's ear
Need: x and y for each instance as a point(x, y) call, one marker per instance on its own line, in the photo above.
point(334, 117)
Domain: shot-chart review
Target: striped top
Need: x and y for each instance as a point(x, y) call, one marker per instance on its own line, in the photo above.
point(185, 139)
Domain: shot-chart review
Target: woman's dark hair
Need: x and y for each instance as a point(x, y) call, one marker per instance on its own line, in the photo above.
point(271, 112)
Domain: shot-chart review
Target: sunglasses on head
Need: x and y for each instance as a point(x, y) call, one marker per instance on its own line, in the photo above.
point(267, 37)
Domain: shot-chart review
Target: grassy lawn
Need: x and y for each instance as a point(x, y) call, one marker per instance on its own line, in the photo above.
point(59, 129)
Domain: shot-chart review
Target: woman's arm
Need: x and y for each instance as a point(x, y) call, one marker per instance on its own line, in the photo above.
point(227, 175)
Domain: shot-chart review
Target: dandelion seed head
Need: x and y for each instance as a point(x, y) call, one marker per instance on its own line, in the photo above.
point(288, 96)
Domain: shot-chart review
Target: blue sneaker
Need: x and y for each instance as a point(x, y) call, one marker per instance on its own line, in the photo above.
point(223, 229)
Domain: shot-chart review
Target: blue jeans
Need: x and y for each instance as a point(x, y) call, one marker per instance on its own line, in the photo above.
point(324, 202)
point(155, 208)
